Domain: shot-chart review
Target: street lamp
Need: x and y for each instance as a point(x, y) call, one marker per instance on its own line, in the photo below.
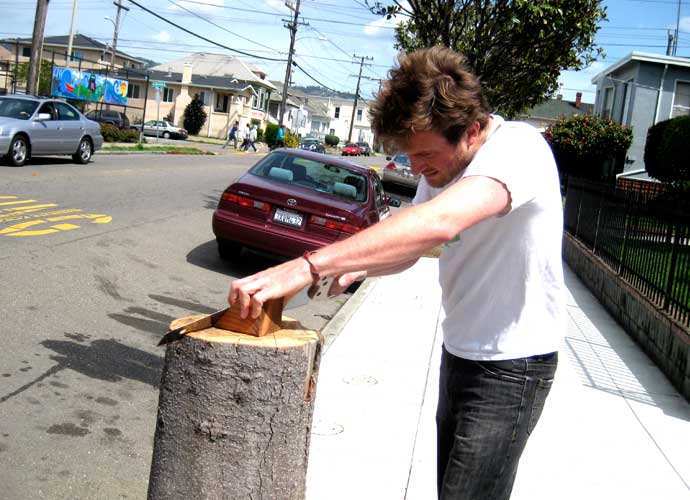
point(112, 53)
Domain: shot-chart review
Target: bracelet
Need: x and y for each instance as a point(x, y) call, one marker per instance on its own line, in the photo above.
point(312, 268)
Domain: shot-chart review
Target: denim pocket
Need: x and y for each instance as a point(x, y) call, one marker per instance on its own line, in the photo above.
point(511, 370)
point(543, 386)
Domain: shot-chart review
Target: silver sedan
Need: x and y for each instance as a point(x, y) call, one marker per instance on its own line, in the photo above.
point(33, 126)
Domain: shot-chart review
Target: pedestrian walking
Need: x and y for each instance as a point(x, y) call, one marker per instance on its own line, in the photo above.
point(280, 137)
point(489, 195)
point(253, 135)
point(232, 135)
point(245, 138)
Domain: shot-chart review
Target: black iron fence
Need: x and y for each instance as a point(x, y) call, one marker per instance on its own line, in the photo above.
point(642, 233)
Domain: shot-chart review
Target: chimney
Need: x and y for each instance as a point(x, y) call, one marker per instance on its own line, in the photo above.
point(578, 100)
point(187, 74)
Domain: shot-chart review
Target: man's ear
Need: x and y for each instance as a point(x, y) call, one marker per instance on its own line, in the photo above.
point(473, 133)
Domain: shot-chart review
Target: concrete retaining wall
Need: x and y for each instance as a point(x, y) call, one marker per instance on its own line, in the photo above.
point(662, 338)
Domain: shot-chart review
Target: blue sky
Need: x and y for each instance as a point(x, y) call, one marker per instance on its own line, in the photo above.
point(336, 30)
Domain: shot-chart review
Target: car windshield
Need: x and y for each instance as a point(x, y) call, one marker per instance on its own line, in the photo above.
point(314, 175)
point(310, 141)
point(350, 145)
point(21, 109)
point(362, 144)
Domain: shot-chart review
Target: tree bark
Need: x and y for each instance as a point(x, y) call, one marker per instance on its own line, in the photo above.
point(234, 415)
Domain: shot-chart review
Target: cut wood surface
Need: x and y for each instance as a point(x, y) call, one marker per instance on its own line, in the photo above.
point(234, 414)
point(268, 321)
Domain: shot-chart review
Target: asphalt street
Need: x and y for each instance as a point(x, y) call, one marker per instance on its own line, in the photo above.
point(95, 262)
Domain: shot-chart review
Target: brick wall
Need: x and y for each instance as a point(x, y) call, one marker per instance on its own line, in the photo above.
point(662, 338)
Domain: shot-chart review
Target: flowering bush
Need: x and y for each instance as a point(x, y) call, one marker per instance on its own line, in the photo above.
point(584, 144)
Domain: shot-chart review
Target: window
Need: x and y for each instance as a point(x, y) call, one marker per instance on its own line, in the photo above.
point(608, 103)
point(66, 112)
point(359, 115)
point(26, 51)
point(331, 131)
point(168, 94)
point(205, 98)
point(221, 103)
point(260, 99)
point(337, 112)
point(133, 91)
point(681, 100)
point(49, 108)
point(77, 55)
point(624, 118)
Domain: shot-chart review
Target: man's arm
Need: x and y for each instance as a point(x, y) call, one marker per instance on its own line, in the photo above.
point(387, 245)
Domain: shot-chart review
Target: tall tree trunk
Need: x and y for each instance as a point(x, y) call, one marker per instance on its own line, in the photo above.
point(234, 415)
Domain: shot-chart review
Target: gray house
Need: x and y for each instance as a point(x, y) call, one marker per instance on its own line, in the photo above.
point(640, 90)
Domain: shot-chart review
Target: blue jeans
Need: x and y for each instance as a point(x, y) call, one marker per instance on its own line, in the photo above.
point(486, 412)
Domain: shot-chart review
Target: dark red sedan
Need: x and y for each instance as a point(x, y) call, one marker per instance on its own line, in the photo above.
point(294, 200)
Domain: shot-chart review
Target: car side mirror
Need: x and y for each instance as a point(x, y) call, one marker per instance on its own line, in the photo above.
point(41, 117)
point(393, 202)
point(388, 158)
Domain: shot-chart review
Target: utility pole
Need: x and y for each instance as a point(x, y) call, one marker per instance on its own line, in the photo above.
point(354, 108)
point(71, 33)
point(117, 27)
point(675, 40)
point(37, 46)
point(375, 146)
point(292, 26)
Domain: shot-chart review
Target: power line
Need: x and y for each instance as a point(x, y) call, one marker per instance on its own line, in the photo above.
point(218, 25)
point(202, 37)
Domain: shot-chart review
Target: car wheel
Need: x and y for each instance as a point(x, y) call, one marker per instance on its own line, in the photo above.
point(84, 152)
point(166, 135)
point(228, 250)
point(19, 151)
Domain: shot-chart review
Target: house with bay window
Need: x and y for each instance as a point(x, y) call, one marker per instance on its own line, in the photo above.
point(231, 90)
point(639, 91)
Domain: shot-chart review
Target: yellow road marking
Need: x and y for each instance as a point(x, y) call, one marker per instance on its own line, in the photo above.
point(16, 202)
point(39, 215)
point(32, 208)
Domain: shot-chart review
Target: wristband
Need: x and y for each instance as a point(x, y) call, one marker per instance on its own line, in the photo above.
point(312, 268)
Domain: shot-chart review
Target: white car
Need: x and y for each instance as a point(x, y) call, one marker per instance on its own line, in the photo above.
point(162, 128)
point(399, 171)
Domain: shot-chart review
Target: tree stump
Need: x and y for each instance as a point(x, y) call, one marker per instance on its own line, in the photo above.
point(234, 415)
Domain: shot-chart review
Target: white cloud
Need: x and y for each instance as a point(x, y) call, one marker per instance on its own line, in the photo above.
point(163, 36)
point(684, 24)
point(375, 27)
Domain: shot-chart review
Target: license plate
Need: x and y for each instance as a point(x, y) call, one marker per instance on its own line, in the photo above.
point(289, 218)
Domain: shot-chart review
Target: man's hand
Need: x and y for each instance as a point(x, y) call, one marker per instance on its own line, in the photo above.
point(284, 280)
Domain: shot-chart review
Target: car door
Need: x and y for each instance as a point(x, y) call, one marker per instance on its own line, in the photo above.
point(379, 198)
point(44, 133)
point(70, 128)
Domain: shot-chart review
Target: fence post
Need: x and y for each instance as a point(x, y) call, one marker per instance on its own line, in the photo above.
point(596, 225)
point(674, 242)
point(626, 225)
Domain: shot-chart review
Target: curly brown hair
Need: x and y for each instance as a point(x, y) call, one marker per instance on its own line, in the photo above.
point(430, 90)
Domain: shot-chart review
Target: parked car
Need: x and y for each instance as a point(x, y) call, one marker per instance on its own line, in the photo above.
point(312, 144)
point(162, 128)
point(110, 116)
point(294, 200)
point(364, 148)
point(34, 126)
point(399, 171)
point(351, 149)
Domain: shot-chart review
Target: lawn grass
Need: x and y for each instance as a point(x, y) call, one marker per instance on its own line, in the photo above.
point(159, 149)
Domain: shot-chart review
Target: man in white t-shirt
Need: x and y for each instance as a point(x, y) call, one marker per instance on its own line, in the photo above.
point(490, 195)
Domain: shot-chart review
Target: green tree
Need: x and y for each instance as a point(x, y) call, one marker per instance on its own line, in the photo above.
point(45, 76)
point(194, 115)
point(666, 152)
point(516, 47)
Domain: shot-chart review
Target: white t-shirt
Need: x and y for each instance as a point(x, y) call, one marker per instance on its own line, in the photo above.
point(502, 279)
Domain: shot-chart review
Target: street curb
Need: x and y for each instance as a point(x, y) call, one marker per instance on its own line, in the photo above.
point(336, 324)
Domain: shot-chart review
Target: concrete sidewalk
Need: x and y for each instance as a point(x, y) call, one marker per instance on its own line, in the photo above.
point(613, 426)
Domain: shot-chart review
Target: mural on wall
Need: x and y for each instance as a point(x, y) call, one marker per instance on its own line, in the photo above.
point(86, 86)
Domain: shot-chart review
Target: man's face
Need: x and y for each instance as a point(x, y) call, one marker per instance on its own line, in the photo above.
point(436, 159)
